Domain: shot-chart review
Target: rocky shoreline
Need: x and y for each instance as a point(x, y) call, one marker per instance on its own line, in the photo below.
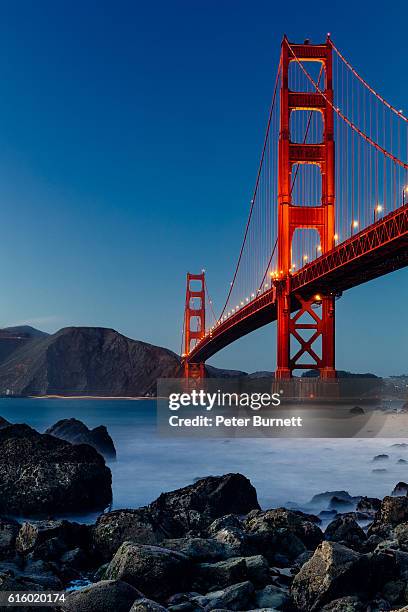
point(206, 546)
point(209, 546)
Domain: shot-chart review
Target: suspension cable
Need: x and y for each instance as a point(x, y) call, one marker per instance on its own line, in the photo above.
point(255, 189)
point(364, 82)
point(346, 119)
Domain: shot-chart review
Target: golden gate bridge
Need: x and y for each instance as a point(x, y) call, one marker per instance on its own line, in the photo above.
point(329, 211)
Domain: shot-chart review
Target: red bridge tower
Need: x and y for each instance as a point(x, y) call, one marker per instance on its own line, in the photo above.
point(319, 216)
point(194, 322)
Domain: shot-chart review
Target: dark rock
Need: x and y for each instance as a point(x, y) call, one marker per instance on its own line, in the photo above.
point(346, 531)
point(341, 504)
point(4, 422)
point(230, 520)
point(379, 471)
point(257, 570)
point(393, 591)
point(235, 597)
point(199, 549)
point(156, 571)
point(50, 539)
point(273, 597)
point(393, 510)
point(103, 596)
point(323, 499)
point(368, 504)
point(328, 575)
point(8, 534)
point(76, 432)
point(345, 604)
point(357, 410)
point(75, 558)
point(196, 506)
point(382, 457)
point(401, 445)
point(40, 474)
point(215, 576)
point(236, 541)
point(324, 514)
point(402, 461)
point(400, 489)
point(146, 605)
point(114, 528)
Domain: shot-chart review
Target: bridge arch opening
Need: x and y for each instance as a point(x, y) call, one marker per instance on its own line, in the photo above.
point(306, 126)
point(297, 79)
point(306, 184)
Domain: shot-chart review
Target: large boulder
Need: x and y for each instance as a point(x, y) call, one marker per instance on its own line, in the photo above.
point(9, 529)
point(199, 549)
point(156, 571)
point(40, 474)
point(393, 510)
point(114, 528)
point(282, 534)
point(42, 538)
point(146, 605)
point(330, 574)
point(76, 432)
point(195, 507)
point(234, 597)
point(345, 530)
point(103, 596)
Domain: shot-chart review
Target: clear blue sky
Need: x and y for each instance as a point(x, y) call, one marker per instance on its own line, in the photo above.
point(130, 135)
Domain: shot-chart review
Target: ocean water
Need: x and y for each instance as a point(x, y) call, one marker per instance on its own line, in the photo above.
point(282, 470)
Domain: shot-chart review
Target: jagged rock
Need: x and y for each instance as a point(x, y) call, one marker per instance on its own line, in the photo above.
point(272, 596)
point(196, 506)
point(342, 505)
point(282, 532)
point(75, 558)
point(381, 457)
point(114, 528)
point(224, 522)
point(393, 510)
point(50, 539)
point(40, 474)
point(329, 574)
point(157, 572)
point(323, 499)
point(402, 461)
point(103, 596)
point(257, 570)
point(345, 604)
point(199, 549)
point(146, 605)
point(236, 541)
point(393, 591)
point(9, 529)
point(368, 504)
point(400, 489)
point(357, 410)
point(346, 531)
point(215, 576)
point(235, 597)
point(76, 432)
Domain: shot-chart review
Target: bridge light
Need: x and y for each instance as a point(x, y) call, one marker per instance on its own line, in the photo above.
point(242, 303)
point(319, 248)
point(305, 257)
point(266, 285)
point(336, 237)
point(355, 223)
point(247, 299)
point(318, 297)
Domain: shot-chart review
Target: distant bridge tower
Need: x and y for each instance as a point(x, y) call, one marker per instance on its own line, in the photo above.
point(319, 216)
point(194, 322)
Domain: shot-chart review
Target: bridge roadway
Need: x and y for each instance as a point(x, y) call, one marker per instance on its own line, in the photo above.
point(374, 251)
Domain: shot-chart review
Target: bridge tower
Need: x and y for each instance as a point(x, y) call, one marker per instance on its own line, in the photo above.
point(194, 322)
point(318, 215)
